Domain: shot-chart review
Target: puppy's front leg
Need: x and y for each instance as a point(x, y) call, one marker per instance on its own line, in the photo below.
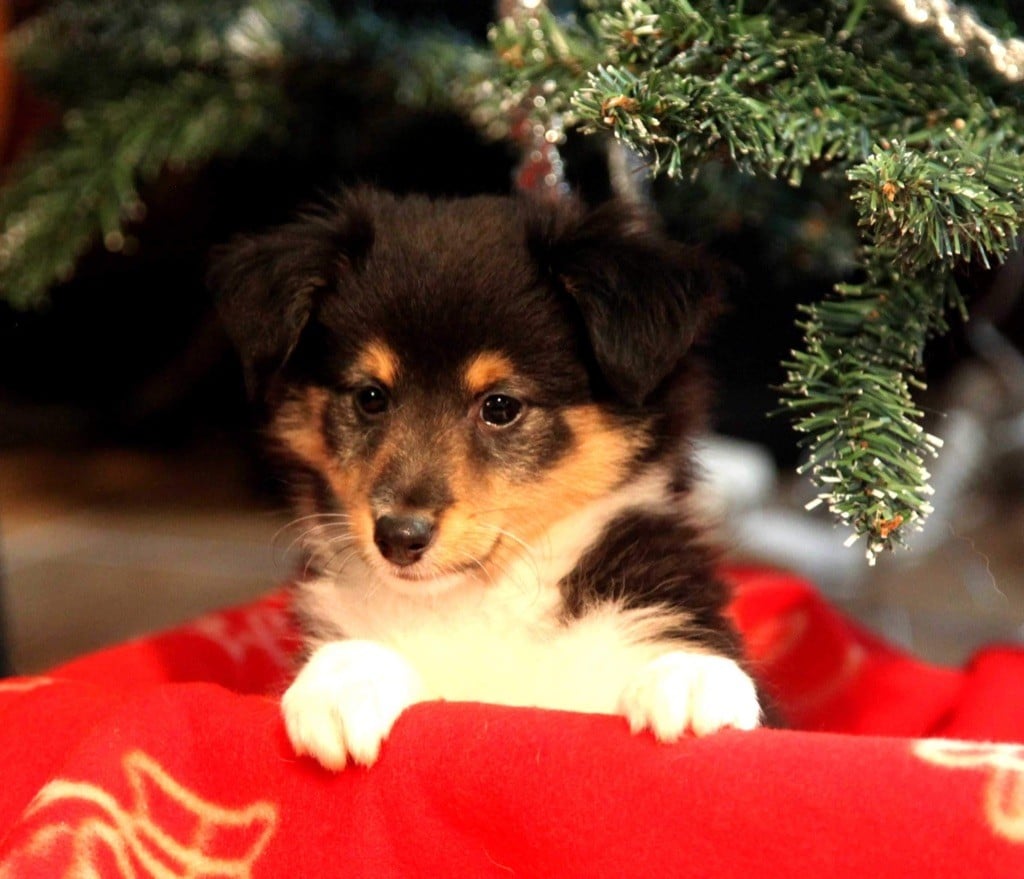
point(345, 700)
point(682, 690)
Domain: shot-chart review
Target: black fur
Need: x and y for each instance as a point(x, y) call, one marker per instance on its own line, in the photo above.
point(647, 559)
point(641, 298)
point(591, 306)
point(269, 286)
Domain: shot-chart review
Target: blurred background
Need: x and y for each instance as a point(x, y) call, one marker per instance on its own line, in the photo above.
point(132, 491)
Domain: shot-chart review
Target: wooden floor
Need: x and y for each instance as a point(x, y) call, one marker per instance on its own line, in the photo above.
point(106, 545)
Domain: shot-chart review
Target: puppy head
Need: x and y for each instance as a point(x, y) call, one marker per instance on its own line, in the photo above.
point(459, 376)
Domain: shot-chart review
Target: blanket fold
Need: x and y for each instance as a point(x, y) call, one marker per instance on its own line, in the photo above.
point(166, 757)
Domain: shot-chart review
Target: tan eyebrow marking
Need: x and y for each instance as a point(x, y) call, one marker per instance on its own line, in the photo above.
point(486, 370)
point(378, 361)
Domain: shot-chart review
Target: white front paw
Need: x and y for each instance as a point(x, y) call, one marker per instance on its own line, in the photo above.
point(700, 692)
point(346, 699)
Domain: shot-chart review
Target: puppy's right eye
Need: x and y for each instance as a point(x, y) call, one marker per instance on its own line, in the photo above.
point(500, 410)
point(371, 401)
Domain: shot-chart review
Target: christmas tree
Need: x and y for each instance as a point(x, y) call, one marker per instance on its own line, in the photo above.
point(905, 114)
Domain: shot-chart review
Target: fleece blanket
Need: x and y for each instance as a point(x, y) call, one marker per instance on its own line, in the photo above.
point(166, 757)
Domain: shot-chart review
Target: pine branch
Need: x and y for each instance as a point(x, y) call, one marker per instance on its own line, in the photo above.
point(849, 391)
point(151, 85)
point(953, 204)
point(850, 387)
point(539, 65)
point(80, 51)
point(85, 186)
point(935, 172)
point(773, 101)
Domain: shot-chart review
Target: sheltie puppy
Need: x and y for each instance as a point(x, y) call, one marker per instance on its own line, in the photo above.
point(484, 406)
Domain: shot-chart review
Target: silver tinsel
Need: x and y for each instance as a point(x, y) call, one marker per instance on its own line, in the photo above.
point(537, 132)
point(960, 28)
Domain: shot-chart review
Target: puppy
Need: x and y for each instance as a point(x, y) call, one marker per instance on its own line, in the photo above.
point(484, 407)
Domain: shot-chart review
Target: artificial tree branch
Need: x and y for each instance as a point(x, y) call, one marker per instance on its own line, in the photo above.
point(935, 172)
point(144, 86)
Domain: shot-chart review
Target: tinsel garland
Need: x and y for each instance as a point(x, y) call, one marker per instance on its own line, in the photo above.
point(960, 28)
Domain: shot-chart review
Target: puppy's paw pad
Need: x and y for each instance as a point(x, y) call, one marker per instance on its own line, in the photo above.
point(345, 700)
point(680, 691)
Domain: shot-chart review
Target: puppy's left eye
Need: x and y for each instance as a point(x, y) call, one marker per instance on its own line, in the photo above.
point(371, 401)
point(500, 410)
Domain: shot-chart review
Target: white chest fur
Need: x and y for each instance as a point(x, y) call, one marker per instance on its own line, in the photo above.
point(502, 640)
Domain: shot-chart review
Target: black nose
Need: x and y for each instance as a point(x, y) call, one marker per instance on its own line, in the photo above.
point(403, 539)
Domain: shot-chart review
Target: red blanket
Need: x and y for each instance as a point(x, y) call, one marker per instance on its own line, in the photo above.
point(166, 757)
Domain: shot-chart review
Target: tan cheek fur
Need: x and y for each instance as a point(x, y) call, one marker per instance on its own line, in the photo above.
point(298, 427)
point(597, 463)
point(490, 506)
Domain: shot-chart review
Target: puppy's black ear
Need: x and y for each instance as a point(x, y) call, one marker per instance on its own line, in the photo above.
point(642, 297)
point(268, 286)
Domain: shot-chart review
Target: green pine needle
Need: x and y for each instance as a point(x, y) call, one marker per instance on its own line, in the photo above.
point(150, 86)
point(849, 392)
point(65, 196)
point(935, 172)
point(928, 144)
